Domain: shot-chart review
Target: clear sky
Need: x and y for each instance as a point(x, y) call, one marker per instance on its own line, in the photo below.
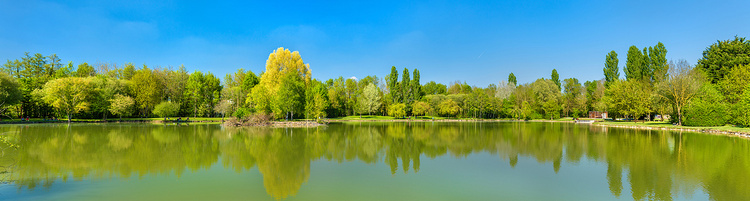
point(479, 42)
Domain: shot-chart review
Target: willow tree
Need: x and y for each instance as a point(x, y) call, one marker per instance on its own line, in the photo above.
point(68, 95)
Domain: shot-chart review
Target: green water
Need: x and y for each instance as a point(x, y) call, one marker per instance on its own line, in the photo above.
point(369, 161)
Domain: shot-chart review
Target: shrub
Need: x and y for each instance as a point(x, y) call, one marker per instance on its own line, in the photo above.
point(741, 110)
point(704, 113)
point(706, 109)
point(397, 110)
point(241, 112)
point(166, 109)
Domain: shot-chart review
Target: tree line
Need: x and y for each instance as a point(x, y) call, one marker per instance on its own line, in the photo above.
point(710, 93)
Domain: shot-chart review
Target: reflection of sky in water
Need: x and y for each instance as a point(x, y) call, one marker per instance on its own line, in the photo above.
point(344, 162)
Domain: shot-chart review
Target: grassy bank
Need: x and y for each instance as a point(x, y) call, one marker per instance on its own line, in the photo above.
point(667, 125)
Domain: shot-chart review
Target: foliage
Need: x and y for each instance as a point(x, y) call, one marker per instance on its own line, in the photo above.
point(397, 110)
point(147, 90)
point(290, 97)
point(630, 98)
point(741, 110)
point(683, 84)
point(223, 107)
point(512, 79)
point(611, 70)
point(242, 112)
point(432, 88)
point(420, 108)
point(449, 108)
point(370, 99)
point(9, 91)
point(316, 101)
point(706, 109)
point(556, 79)
point(721, 57)
point(121, 105)
point(574, 100)
point(69, 95)
point(734, 83)
point(166, 109)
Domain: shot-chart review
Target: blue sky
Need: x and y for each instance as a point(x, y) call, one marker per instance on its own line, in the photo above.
point(479, 42)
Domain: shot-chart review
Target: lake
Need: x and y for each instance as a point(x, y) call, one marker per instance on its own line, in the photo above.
point(369, 161)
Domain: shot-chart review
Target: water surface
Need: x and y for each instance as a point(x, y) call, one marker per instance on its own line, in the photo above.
point(369, 161)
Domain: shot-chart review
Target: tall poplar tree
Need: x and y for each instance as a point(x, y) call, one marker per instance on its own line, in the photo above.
point(393, 86)
point(634, 64)
point(556, 78)
point(611, 70)
point(512, 79)
point(658, 58)
point(416, 86)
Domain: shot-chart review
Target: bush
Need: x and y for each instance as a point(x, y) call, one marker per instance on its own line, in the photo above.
point(741, 110)
point(704, 113)
point(166, 109)
point(397, 110)
point(241, 112)
point(706, 109)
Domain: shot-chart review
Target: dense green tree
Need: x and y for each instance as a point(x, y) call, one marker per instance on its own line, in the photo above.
point(721, 57)
point(291, 96)
point(316, 101)
point(420, 108)
point(397, 110)
point(85, 70)
point(394, 88)
point(166, 109)
point(735, 83)
point(556, 79)
point(611, 70)
point(416, 86)
point(147, 90)
point(369, 101)
point(574, 102)
point(707, 108)
point(449, 108)
point(194, 90)
point(634, 66)
point(281, 62)
point(68, 95)
point(630, 98)
point(121, 105)
point(547, 96)
point(128, 71)
point(512, 79)
point(9, 92)
point(658, 58)
point(434, 88)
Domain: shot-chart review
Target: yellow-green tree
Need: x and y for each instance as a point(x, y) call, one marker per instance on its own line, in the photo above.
point(121, 105)
point(420, 108)
point(397, 110)
point(68, 95)
point(280, 63)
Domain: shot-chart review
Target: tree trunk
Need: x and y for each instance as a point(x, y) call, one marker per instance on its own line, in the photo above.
point(68, 117)
point(679, 117)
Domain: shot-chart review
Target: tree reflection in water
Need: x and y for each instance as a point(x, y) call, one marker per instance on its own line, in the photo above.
point(657, 164)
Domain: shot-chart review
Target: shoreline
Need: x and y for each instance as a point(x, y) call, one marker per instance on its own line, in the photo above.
point(298, 124)
point(683, 129)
